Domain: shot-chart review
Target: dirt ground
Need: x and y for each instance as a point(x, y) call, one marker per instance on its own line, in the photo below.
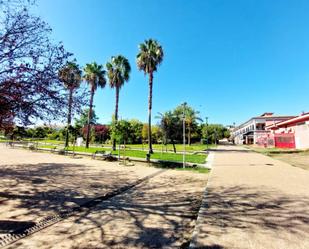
point(158, 213)
point(300, 160)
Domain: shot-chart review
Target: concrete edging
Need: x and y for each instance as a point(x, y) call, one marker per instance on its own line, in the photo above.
point(209, 163)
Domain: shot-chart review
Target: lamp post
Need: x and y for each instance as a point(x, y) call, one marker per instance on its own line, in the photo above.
point(184, 134)
point(206, 133)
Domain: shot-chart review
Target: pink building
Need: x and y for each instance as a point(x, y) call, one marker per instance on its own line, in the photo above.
point(291, 133)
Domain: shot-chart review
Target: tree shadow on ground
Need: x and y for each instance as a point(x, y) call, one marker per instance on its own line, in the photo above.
point(148, 216)
point(249, 209)
point(9, 226)
point(33, 191)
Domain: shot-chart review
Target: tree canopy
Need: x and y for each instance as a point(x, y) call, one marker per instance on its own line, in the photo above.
point(30, 88)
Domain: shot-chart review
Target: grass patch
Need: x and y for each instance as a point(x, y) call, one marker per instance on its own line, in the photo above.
point(169, 147)
point(196, 169)
point(179, 166)
point(139, 154)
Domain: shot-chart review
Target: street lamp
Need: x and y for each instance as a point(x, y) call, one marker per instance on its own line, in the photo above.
point(206, 133)
point(184, 134)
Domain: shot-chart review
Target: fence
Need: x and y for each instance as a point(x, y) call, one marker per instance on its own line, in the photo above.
point(285, 140)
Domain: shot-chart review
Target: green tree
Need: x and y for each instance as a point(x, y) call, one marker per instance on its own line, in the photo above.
point(145, 130)
point(71, 76)
point(82, 121)
point(95, 77)
point(137, 128)
point(191, 118)
point(157, 135)
point(18, 132)
point(120, 130)
point(171, 126)
point(149, 58)
point(214, 132)
point(118, 72)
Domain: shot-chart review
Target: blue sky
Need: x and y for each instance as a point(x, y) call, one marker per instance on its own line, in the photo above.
point(229, 59)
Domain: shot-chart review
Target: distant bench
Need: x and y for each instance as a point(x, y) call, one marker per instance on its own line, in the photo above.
point(102, 154)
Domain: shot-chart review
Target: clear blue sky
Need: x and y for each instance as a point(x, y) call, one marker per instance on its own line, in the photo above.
point(229, 59)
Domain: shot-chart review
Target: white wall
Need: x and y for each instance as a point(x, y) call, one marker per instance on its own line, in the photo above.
point(302, 136)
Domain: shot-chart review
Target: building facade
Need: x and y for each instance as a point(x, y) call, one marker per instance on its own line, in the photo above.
point(254, 130)
point(291, 133)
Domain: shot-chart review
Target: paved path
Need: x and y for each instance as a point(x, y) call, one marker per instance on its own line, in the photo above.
point(253, 202)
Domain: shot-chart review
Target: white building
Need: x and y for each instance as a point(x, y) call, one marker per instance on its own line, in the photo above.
point(253, 129)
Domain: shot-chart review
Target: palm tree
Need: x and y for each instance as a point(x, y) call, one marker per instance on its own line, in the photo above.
point(95, 77)
point(148, 59)
point(118, 72)
point(191, 116)
point(71, 76)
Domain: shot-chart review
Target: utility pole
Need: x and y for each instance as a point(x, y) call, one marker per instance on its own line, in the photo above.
point(184, 134)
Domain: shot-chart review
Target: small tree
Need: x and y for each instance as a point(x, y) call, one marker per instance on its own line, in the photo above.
point(120, 132)
point(171, 126)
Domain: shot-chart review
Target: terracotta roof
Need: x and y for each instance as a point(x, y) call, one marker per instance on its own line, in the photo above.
point(302, 118)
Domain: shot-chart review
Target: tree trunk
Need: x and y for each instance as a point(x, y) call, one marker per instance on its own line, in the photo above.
point(174, 147)
point(89, 117)
point(149, 112)
point(69, 118)
point(116, 114)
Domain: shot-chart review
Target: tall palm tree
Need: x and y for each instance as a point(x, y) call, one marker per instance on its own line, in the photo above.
point(149, 58)
point(118, 72)
point(95, 77)
point(71, 76)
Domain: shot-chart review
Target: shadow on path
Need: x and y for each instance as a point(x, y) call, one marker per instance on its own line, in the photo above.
point(251, 210)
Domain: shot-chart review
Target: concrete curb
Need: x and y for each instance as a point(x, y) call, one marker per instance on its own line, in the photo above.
point(211, 157)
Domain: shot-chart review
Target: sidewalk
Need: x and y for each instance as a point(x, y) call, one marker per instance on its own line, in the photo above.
point(253, 201)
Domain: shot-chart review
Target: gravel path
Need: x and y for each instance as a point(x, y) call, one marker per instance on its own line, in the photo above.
point(158, 213)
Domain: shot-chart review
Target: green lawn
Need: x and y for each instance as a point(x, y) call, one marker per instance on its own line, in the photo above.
point(169, 147)
point(197, 169)
point(141, 154)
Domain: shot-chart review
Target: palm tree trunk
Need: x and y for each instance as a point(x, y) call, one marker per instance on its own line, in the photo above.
point(149, 112)
point(89, 118)
point(116, 114)
point(69, 117)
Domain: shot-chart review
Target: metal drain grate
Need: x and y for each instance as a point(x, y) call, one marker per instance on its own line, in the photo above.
point(51, 220)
